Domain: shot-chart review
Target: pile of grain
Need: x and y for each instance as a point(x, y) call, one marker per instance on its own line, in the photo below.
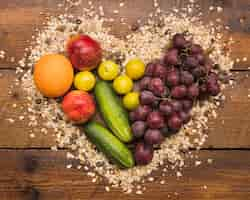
point(147, 41)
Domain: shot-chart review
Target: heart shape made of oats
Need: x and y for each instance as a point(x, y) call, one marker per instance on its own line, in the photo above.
point(176, 83)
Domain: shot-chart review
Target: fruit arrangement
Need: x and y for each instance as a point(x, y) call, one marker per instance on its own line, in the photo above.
point(168, 89)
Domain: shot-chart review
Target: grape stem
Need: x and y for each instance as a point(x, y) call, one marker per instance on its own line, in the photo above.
point(163, 98)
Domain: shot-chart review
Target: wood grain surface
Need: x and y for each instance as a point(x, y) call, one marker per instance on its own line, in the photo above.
point(41, 174)
point(19, 19)
point(30, 171)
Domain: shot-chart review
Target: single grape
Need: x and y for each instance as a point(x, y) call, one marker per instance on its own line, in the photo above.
point(166, 108)
point(193, 91)
point(191, 62)
point(155, 120)
point(143, 153)
point(199, 72)
point(150, 69)
point(153, 136)
point(175, 122)
point(156, 86)
point(171, 57)
point(187, 105)
point(213, 88)
point(196, 49)
point(178, 92)
point(186, 78)
point(201, 58)
point(212, 78)
point(141, 112)
point(132, 116)
point(176, 105)
point(173, 78)
point(160, 71)
point(138, 128)
point(147, 97)
point(185, 116)
point(144, 82)
point(179, 41)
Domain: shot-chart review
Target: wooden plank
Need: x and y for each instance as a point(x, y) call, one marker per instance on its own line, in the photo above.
point(17, 134)
point(235, 15)
point(230, 130)
point(33, 174)
point(18, 20)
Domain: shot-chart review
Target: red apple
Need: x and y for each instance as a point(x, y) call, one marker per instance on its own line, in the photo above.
point(84, 52)
point(79, 106)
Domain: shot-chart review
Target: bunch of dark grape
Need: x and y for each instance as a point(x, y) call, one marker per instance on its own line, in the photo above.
point(168, 92)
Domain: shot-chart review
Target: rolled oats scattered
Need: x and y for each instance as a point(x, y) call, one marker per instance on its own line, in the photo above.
point(12, 59)
point(244, 59)
point(219, 9)
point(2, 54)
point(70, 155)
point(54, 148)
point(209, 161)
point(197, 163)
point(147, 42)
point(21, 117)
point(10, 120)
point(69, 166)
point(107, 189)
point(211, 8)
point(138, 192)
point(151, 179)
point(79, 166)
point(178, 174)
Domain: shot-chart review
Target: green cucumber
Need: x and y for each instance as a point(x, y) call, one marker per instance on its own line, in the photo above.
point(113, 113)
point(107, 143)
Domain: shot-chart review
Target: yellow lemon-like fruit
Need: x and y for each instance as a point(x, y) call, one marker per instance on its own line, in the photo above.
point(123, 84)
point(108, 70)
point(135, 68)
point(53, 75)
point(131, 100)
point(84, 81)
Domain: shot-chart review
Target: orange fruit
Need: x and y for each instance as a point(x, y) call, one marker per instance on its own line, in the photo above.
point(53, 75)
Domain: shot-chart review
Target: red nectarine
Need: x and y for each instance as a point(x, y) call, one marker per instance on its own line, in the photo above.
point(79, 106)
